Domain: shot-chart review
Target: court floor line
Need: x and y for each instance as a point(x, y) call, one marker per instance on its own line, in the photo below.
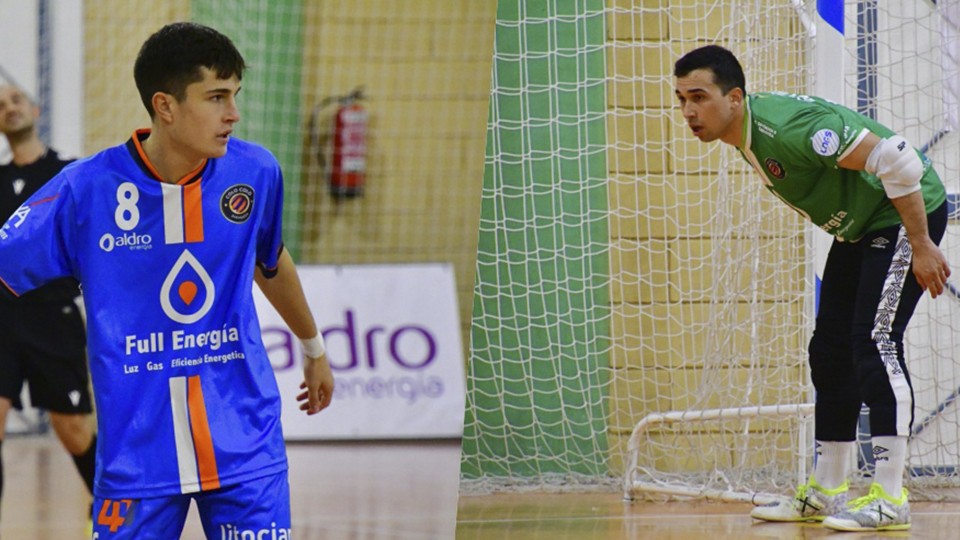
point(650, 516)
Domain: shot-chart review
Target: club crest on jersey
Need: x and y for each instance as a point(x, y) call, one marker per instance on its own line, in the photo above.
point(826, 142)
point(236, 204)
point(180, 294)
point(18, 186)
point(775, 168)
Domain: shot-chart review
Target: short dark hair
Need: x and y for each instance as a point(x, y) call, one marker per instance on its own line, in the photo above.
point(170, 60)
point(727, 71)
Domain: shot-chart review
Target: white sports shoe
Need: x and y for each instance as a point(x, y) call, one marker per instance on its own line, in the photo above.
point(875, 511)
point(811, 503)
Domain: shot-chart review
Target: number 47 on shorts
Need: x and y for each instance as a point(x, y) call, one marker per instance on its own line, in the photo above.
point(113, 514)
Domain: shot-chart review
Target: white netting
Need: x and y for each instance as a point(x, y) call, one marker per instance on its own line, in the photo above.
point(691, 282)
point(715, 307)
point(707, 302)
point(424, 70)
point(907, 76)
point(425, 73)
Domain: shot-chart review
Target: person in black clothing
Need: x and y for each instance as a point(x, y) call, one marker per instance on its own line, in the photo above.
point(42, 338)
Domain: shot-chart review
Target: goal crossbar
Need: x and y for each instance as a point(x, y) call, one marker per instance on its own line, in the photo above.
point(633, 486)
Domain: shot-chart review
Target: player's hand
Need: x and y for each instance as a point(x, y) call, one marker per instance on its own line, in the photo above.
point(930, 268)
point(317, 385)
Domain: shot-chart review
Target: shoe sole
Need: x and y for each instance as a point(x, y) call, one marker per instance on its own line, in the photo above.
point(857, 528)
point(816, 519)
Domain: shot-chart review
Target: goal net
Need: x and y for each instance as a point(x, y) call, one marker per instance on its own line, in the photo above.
point(424, 71)
point(642, 306)
point(908, 75)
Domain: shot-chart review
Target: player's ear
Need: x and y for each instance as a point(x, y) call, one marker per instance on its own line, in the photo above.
point(736, 96)
point(163, 106)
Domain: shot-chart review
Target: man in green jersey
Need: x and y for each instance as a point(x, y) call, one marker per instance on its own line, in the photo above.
point(886, 208)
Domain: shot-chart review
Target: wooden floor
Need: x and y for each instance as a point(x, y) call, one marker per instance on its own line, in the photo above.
point(606, 516)
point(370, 491)
point(409, 491)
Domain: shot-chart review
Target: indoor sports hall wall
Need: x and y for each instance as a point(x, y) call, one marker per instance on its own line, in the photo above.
point(618, 255)
point(425, 72)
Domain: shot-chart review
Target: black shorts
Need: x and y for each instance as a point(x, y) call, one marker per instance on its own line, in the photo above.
point(44, 344)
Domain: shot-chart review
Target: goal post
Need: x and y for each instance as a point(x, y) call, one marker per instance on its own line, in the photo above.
point(635, 481)
point(670, 318)
point(699, 355)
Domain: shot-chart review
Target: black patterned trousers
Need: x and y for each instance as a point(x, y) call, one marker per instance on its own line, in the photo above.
point(867, 297)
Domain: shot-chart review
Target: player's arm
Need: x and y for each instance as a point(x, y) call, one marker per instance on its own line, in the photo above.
point(284, 292)
point(899, 168)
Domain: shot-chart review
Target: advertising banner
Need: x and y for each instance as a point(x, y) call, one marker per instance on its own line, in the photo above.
point(393, 340)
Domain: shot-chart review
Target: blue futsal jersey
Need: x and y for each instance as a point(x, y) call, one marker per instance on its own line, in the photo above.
point(186, 398)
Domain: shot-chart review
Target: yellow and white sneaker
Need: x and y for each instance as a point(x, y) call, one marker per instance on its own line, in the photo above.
point(811, 503)
point(875, 511)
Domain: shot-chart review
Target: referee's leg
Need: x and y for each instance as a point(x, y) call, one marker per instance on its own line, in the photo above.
point(5, 406)
point(58, 378)
point(75, 431)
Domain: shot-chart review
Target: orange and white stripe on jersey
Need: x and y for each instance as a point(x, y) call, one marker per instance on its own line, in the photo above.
point(182, 213)
point(195, 456)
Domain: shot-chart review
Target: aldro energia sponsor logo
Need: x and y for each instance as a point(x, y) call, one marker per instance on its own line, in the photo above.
point(371, 361)
point(187, 292)
point(127, 217)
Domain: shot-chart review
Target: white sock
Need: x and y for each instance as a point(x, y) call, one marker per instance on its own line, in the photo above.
point(833, 463)
point(890, 457)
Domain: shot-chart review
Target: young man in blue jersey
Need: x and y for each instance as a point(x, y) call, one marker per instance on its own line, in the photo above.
point(886, 208)
point(167, 234)
point(54, 369)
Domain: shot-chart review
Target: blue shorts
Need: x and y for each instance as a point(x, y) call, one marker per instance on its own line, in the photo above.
point(255, 509)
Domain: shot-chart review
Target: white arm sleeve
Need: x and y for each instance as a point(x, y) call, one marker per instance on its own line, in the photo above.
point(897, 165)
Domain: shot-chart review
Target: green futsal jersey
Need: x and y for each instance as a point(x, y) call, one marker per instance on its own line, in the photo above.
point(795, 141)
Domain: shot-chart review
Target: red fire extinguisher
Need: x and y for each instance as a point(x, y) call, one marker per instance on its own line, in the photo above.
point(348, 166)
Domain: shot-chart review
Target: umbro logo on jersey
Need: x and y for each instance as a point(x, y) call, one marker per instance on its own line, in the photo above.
point(18, 186)
point(236, 204)
point(879, 243)
point(74, 396)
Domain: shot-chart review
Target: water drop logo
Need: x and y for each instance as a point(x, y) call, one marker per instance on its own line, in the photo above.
point(179, 292)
